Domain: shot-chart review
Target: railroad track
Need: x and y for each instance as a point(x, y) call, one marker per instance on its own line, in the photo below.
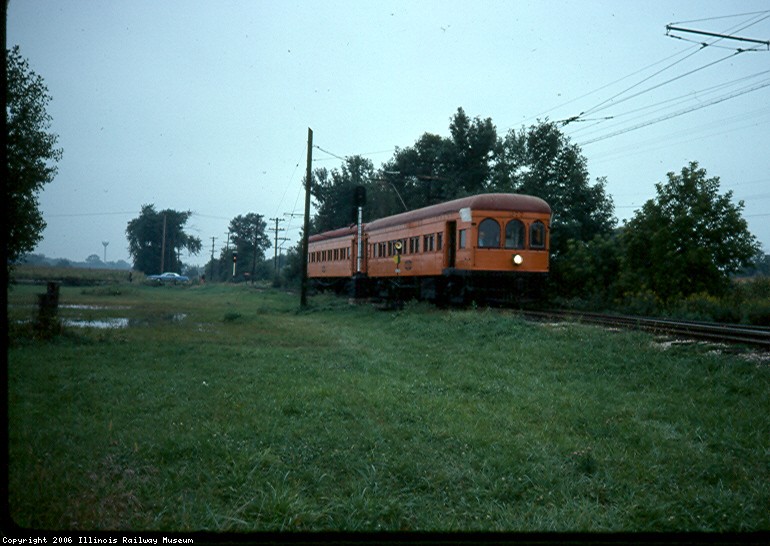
point(756, 336)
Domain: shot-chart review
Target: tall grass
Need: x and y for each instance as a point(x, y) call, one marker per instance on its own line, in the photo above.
point(251, 415)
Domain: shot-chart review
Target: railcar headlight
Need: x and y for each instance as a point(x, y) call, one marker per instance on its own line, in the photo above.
point(517, 259)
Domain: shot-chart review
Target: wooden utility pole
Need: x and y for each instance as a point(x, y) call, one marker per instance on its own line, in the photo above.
point(305, 234)
point(163, 246)
point(256, 240)
point(211, 273)
point(275, 244)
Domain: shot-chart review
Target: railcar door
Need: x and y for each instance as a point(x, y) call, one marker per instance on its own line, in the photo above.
point(451, 243)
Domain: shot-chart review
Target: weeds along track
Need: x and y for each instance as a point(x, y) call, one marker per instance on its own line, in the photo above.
point(756, 336)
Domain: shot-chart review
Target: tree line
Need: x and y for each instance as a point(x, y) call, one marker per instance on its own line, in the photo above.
point(156, 240)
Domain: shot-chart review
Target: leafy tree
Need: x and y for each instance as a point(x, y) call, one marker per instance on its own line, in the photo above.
point(247, 234)
point(688, 239)
point(291, 272)
point(542, 161)
point(333, 192)
point(589, 270)
point(419, 175)
point(145, 239)
point(31, 154)
point(438, 169)
point(474, 143)
point(760, 266)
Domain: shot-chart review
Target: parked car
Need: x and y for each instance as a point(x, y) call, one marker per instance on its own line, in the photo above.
point(168, 278)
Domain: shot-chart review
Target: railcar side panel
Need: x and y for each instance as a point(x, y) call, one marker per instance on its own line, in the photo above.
point(332, 255)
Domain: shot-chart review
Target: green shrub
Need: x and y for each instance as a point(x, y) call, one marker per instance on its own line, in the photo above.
point(705, 307)
point(645, 302)
point(757, 314)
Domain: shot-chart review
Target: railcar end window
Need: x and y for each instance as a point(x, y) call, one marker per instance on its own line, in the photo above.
point(537, 235)
point(514, 234)
point(489, 234)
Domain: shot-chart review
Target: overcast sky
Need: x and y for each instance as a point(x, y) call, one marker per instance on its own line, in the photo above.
point(204, 106)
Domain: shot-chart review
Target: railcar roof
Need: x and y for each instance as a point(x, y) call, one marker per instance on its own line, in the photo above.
point(333, 234)
point(515, 202)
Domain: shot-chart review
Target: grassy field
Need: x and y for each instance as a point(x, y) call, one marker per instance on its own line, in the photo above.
point(226, 408)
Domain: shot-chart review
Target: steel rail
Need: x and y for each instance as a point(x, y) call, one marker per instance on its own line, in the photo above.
point(756, 336)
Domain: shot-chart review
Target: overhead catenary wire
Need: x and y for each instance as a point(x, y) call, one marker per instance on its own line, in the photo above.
point(643, 112)
point(675, 114)
point(659, 106)
point(670, 27)
point(611, 101)
point(288, 185)
point(645, 146)
point(719, 17)
point(604, 105)
point(605, 86)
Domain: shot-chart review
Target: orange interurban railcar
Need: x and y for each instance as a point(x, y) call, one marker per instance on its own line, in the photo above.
point(487, 247)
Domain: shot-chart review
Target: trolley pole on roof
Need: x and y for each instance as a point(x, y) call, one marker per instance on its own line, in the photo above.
point(305, 234)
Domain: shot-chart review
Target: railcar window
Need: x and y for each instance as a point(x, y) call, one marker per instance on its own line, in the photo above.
point(414, 245)
point(537, 235)
point(461, 239)
point(514, 234)
point(439, 241)
point(489, 234)
point(428, 243)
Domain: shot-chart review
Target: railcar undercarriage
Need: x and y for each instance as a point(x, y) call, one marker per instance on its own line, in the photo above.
point(454, 287)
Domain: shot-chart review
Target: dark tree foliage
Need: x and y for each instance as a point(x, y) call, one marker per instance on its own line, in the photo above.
point(417, 176)
point(31, 154)
point(435, 169)
point(473, 145)
point(438, 169)
point(147, 247)
point(249, 239)
point(688, 239)
point(333, 192)
point(589, 270)
point(541, 161)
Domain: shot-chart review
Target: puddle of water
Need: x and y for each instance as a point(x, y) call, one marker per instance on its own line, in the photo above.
point(110, 323)
point(117, 323)
point(92, 307)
